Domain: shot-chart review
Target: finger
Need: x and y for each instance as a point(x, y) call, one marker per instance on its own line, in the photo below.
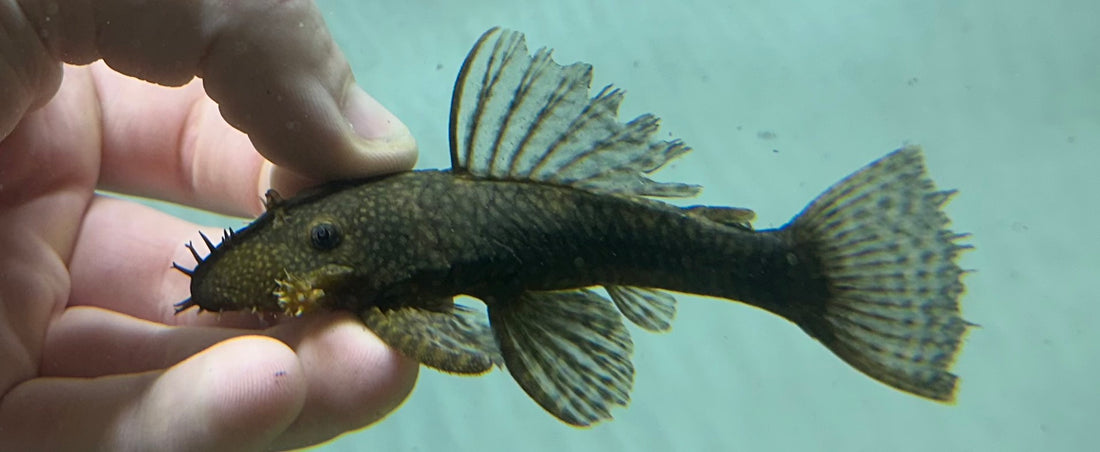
point(352, 378)
point(123, 258)
point(28, 73)
point(271, 66)
point(90, 342)
point(172, 144)
point(283, 80)
point(238, 395)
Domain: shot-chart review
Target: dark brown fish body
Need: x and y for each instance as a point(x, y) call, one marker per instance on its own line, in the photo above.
point(433, 234)
point(547, 198)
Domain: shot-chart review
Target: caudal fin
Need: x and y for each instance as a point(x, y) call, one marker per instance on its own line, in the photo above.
point(889, 261)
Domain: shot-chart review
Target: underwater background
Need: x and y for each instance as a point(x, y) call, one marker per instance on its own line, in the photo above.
point(780, 99)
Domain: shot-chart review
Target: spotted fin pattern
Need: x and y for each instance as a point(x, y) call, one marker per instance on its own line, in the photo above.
point(568, 350)
point(650, 309)
point(455, 340)
point(521, 117)
point(885, 249)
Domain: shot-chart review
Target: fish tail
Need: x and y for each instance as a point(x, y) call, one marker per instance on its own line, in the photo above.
point(887, 259)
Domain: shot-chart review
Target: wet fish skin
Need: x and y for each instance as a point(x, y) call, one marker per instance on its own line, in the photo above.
point(426, 235)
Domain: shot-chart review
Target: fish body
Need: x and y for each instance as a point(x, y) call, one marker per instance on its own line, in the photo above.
point(547, 199)
point(424, 235)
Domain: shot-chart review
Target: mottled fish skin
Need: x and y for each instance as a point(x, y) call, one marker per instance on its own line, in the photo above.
point(419, 236)
point(415, 238)
point(548, 197)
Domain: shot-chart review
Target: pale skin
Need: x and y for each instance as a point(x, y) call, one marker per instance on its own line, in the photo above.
point(91, 353)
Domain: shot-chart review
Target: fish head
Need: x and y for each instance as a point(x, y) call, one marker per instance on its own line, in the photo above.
point(289, 260)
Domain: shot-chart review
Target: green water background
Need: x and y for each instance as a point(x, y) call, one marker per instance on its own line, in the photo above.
point(781, 99)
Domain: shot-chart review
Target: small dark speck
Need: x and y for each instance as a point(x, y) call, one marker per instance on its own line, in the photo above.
point(438, 66)
point(635, 64)
point(281, 373)
point(738, 128)
point(775, 151)
point(912, 81)
point(1071, 139)
point(765, 135)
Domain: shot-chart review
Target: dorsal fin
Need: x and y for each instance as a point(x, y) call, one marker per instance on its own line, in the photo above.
point(520, 117)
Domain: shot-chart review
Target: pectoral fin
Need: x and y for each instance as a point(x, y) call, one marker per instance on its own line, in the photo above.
point(453, 340)
point(568, 350)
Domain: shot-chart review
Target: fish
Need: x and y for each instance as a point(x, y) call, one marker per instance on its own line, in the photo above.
point(549, 216)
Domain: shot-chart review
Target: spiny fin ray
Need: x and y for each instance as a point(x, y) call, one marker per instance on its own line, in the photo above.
point(521, 117)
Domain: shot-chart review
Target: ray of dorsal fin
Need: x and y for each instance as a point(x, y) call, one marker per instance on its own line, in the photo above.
point(520, 117)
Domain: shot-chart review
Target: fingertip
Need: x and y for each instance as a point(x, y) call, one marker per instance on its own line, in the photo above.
point(386, 378)
point(386, 142)
point(354, 378)
point(376, 142)
point(358, 369)
point(374, 158)
point(241, 393)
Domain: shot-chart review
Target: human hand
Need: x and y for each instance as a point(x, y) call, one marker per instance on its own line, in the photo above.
point(90, 351)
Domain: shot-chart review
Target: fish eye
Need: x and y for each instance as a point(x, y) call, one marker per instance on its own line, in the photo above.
point(325, 236)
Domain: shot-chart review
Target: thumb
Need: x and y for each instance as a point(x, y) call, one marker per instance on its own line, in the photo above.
point(381, 144)
point(384, 138)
